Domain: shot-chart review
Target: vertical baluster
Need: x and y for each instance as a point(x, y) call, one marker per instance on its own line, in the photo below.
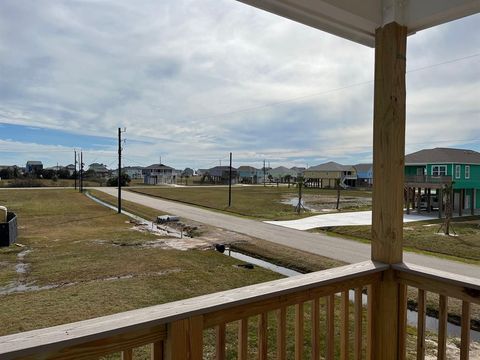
point(316, 329)
point(281, 333)
point(465, 343)
point(220, 342)
point(344, 319)
point(442, 328)
point(298, 331)
point(369, 321)
point(330, 327)
point(421, 325)
point(358, 324)
point(402, 321)
point(262, 336)
point(156, 351)
point(127, 354)
point(243, 339)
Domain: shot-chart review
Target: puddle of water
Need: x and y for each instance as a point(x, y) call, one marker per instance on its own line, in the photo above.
point(264, 264)
point(146, 225)
point(294, 202)
point(431, 323)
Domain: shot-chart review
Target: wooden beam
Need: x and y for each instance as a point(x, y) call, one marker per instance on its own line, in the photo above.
point(388, 183)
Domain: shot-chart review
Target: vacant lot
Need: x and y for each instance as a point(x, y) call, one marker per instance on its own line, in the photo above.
point(265, 203)
point(425, 236)
point(80, 260)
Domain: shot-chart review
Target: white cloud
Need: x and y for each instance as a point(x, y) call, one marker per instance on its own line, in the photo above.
point(191, 78)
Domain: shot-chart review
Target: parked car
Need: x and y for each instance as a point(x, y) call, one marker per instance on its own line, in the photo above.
point(433, 202)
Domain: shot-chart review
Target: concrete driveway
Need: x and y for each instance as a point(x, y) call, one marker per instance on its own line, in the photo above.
point(340, 219)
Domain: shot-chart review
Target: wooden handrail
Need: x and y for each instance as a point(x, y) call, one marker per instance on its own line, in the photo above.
point(147, 325)
point(440, 282)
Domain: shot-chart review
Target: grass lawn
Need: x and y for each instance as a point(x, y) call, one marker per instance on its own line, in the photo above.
point(27, 182)
point(423, 236)
point(70, 244)
point(257, 202)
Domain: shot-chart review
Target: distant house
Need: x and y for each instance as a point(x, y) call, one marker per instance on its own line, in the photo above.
point(249, 175)
point(34, 167)
point(188, 172)
point(432, 169)
point(100, 170)
point(71, 169)
point(158, 174)
point(364, 174)
point(282, 174)
point(326, 175)
point(299, 171)
point(220, 175)
point(133, 172)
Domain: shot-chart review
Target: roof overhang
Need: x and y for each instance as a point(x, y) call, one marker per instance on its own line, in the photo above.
point(357, 20)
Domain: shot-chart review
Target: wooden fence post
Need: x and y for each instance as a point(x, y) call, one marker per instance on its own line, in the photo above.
point(185, 339)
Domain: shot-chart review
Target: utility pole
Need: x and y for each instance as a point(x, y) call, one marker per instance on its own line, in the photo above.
point(81, 171)
point(119, 210)
point(264, 173)
point(230, 183)
point(75, 170)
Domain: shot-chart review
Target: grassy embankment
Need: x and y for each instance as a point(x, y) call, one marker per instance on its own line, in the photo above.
point(258, 202)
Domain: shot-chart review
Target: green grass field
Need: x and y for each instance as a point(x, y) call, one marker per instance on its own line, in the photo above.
point(424, 236)
point(263, 203)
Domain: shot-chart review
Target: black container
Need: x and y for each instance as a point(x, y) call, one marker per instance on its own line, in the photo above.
point(8, 230)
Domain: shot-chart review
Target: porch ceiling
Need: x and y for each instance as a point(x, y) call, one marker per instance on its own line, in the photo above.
point(357, 20)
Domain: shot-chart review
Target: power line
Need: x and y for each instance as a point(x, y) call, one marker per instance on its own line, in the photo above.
point(294, 99)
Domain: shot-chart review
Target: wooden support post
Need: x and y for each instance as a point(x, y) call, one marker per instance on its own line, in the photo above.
point(419, 199)
point(408, 200)
point(440, 202)
point(429, 200)
point(388, 164)
point(472, 202)
point(461, 202)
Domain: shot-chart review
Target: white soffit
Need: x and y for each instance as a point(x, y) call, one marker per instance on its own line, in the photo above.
point(357, 20)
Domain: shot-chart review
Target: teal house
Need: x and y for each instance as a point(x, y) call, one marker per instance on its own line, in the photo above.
point(428, 171)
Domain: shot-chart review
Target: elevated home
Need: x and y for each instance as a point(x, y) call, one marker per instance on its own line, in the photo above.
point(175, 331)
point(249, 175)
point(299, 171)
point(327, 175)
point(364, 174)
point(133, 172)
point(99, 170)
point(283, 174)
point(34, 167)
point(220, 175)
point(158, 174)
point(434, 169)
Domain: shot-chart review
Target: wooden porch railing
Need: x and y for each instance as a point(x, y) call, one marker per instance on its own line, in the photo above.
point(278, 312)
point(447, 286)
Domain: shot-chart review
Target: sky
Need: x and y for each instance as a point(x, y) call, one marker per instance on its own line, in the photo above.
point(191, 81)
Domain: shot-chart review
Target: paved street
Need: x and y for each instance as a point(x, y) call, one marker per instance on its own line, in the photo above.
point(329, 246)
